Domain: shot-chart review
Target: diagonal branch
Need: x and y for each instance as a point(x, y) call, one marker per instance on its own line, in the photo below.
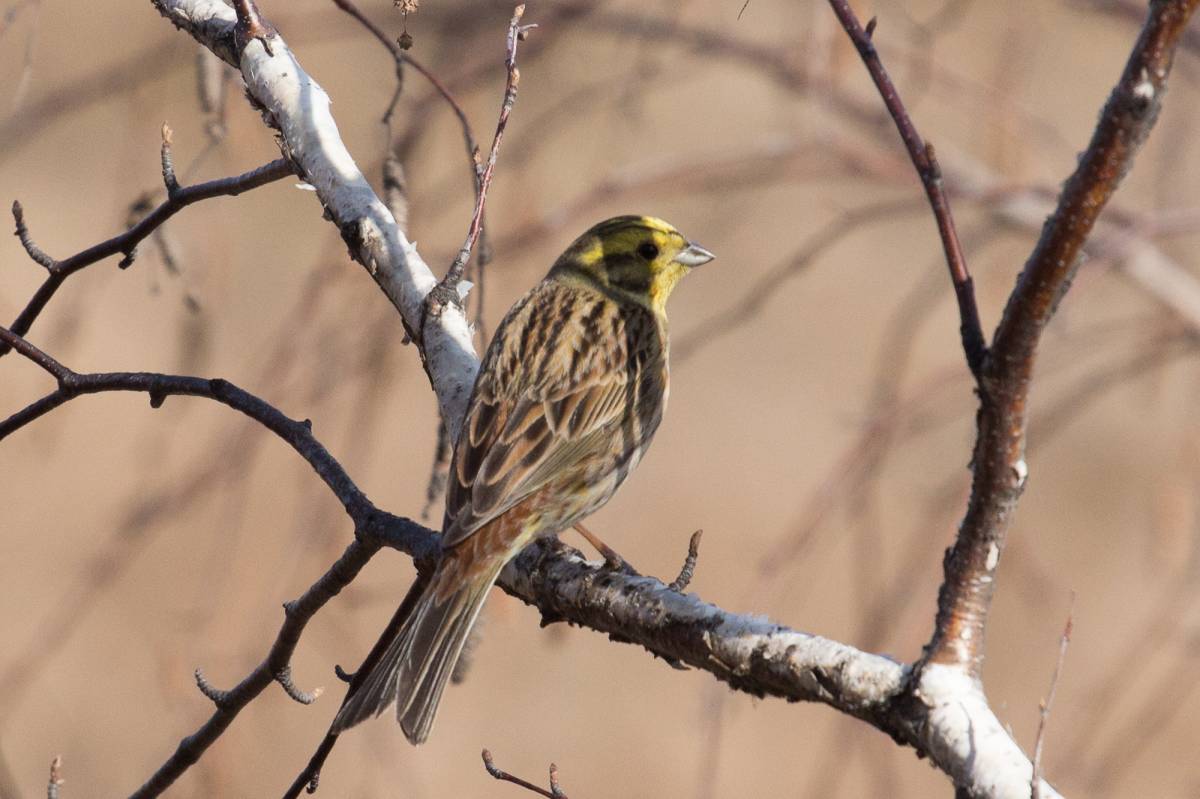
point(126, 243)
point(373, 529)
point(516, 33)
point(999, 466)
point(930, 172)
point(299, 109)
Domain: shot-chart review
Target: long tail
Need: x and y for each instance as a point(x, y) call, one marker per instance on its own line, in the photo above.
point(420, 658)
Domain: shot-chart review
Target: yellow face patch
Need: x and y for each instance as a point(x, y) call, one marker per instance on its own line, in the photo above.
point(634, 255)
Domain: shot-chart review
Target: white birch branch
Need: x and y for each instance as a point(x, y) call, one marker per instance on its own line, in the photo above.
point(944, 715)
point(299, 109)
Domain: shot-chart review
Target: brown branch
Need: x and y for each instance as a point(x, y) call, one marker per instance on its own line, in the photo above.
point(1044, 710)
point(555, 791)
point(126, 243)
point(516, 33)
point(999, 467)
point(923, 158)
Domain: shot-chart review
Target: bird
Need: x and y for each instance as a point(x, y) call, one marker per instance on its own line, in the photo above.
point(569, 394)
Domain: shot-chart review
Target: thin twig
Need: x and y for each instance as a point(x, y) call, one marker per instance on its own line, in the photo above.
point(923, 158)
point(684, 579)
point(211, 692)
point(35, 252)
point(555, 791)
point(284, 678)
point(168, 163)
point(402, 57)
point(1044, 709)
point(516, 33)
point(126, 243)
point(55, 782)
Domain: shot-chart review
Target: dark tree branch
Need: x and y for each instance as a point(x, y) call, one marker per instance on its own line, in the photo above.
point(999, 467)
point(192, 747)
point(159, 387)
point(310, 777)
point(126, 243)
point(930, 172)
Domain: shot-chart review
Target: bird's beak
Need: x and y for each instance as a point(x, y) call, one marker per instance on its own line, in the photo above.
point(694, 255)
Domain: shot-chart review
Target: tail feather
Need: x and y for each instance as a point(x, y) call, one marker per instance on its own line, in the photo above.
point(415, 667)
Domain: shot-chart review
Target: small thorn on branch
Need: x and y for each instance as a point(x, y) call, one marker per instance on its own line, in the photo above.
point(680, 583)
point(35, 252)
point(284, 678)
point(215, 695)
point(555, 791)
point(56, 779)
point(870, 29)
point(168, 162)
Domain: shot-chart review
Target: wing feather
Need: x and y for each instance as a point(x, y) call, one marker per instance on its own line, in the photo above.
point(534, 416)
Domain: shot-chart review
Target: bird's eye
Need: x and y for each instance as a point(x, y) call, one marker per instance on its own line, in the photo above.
point(648, 250)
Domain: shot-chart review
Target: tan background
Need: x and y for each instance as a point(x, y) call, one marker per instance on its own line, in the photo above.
point(136, 545)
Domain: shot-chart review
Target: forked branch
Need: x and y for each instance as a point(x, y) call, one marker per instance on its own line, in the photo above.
point(999, 466)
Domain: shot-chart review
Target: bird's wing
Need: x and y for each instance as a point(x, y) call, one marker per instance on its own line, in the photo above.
point(539, 408)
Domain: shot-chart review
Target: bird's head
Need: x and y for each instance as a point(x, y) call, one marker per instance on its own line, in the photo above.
point(639, 258)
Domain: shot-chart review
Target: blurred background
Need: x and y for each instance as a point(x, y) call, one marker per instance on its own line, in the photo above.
point(821, 416)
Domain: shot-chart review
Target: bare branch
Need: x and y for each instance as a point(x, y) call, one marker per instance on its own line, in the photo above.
point(35, 252)
point(516, 33)
point(555, 791)
point(923, 158)
point(680, 583)
point(55, 782)
point(215, 695)
point(294, 104)
point(1044, 710)
point(309, 778)
point(168, 163)
point(748, 653)
point(126, 243)
point(999, 466)
point(284, 678)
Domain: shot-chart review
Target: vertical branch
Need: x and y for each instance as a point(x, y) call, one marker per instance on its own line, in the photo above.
point(926, 163)
point(1044, 711)
point(999, 467)
point(516, 33)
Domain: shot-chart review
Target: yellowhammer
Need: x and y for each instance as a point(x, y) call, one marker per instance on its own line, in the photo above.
point(568, 397)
